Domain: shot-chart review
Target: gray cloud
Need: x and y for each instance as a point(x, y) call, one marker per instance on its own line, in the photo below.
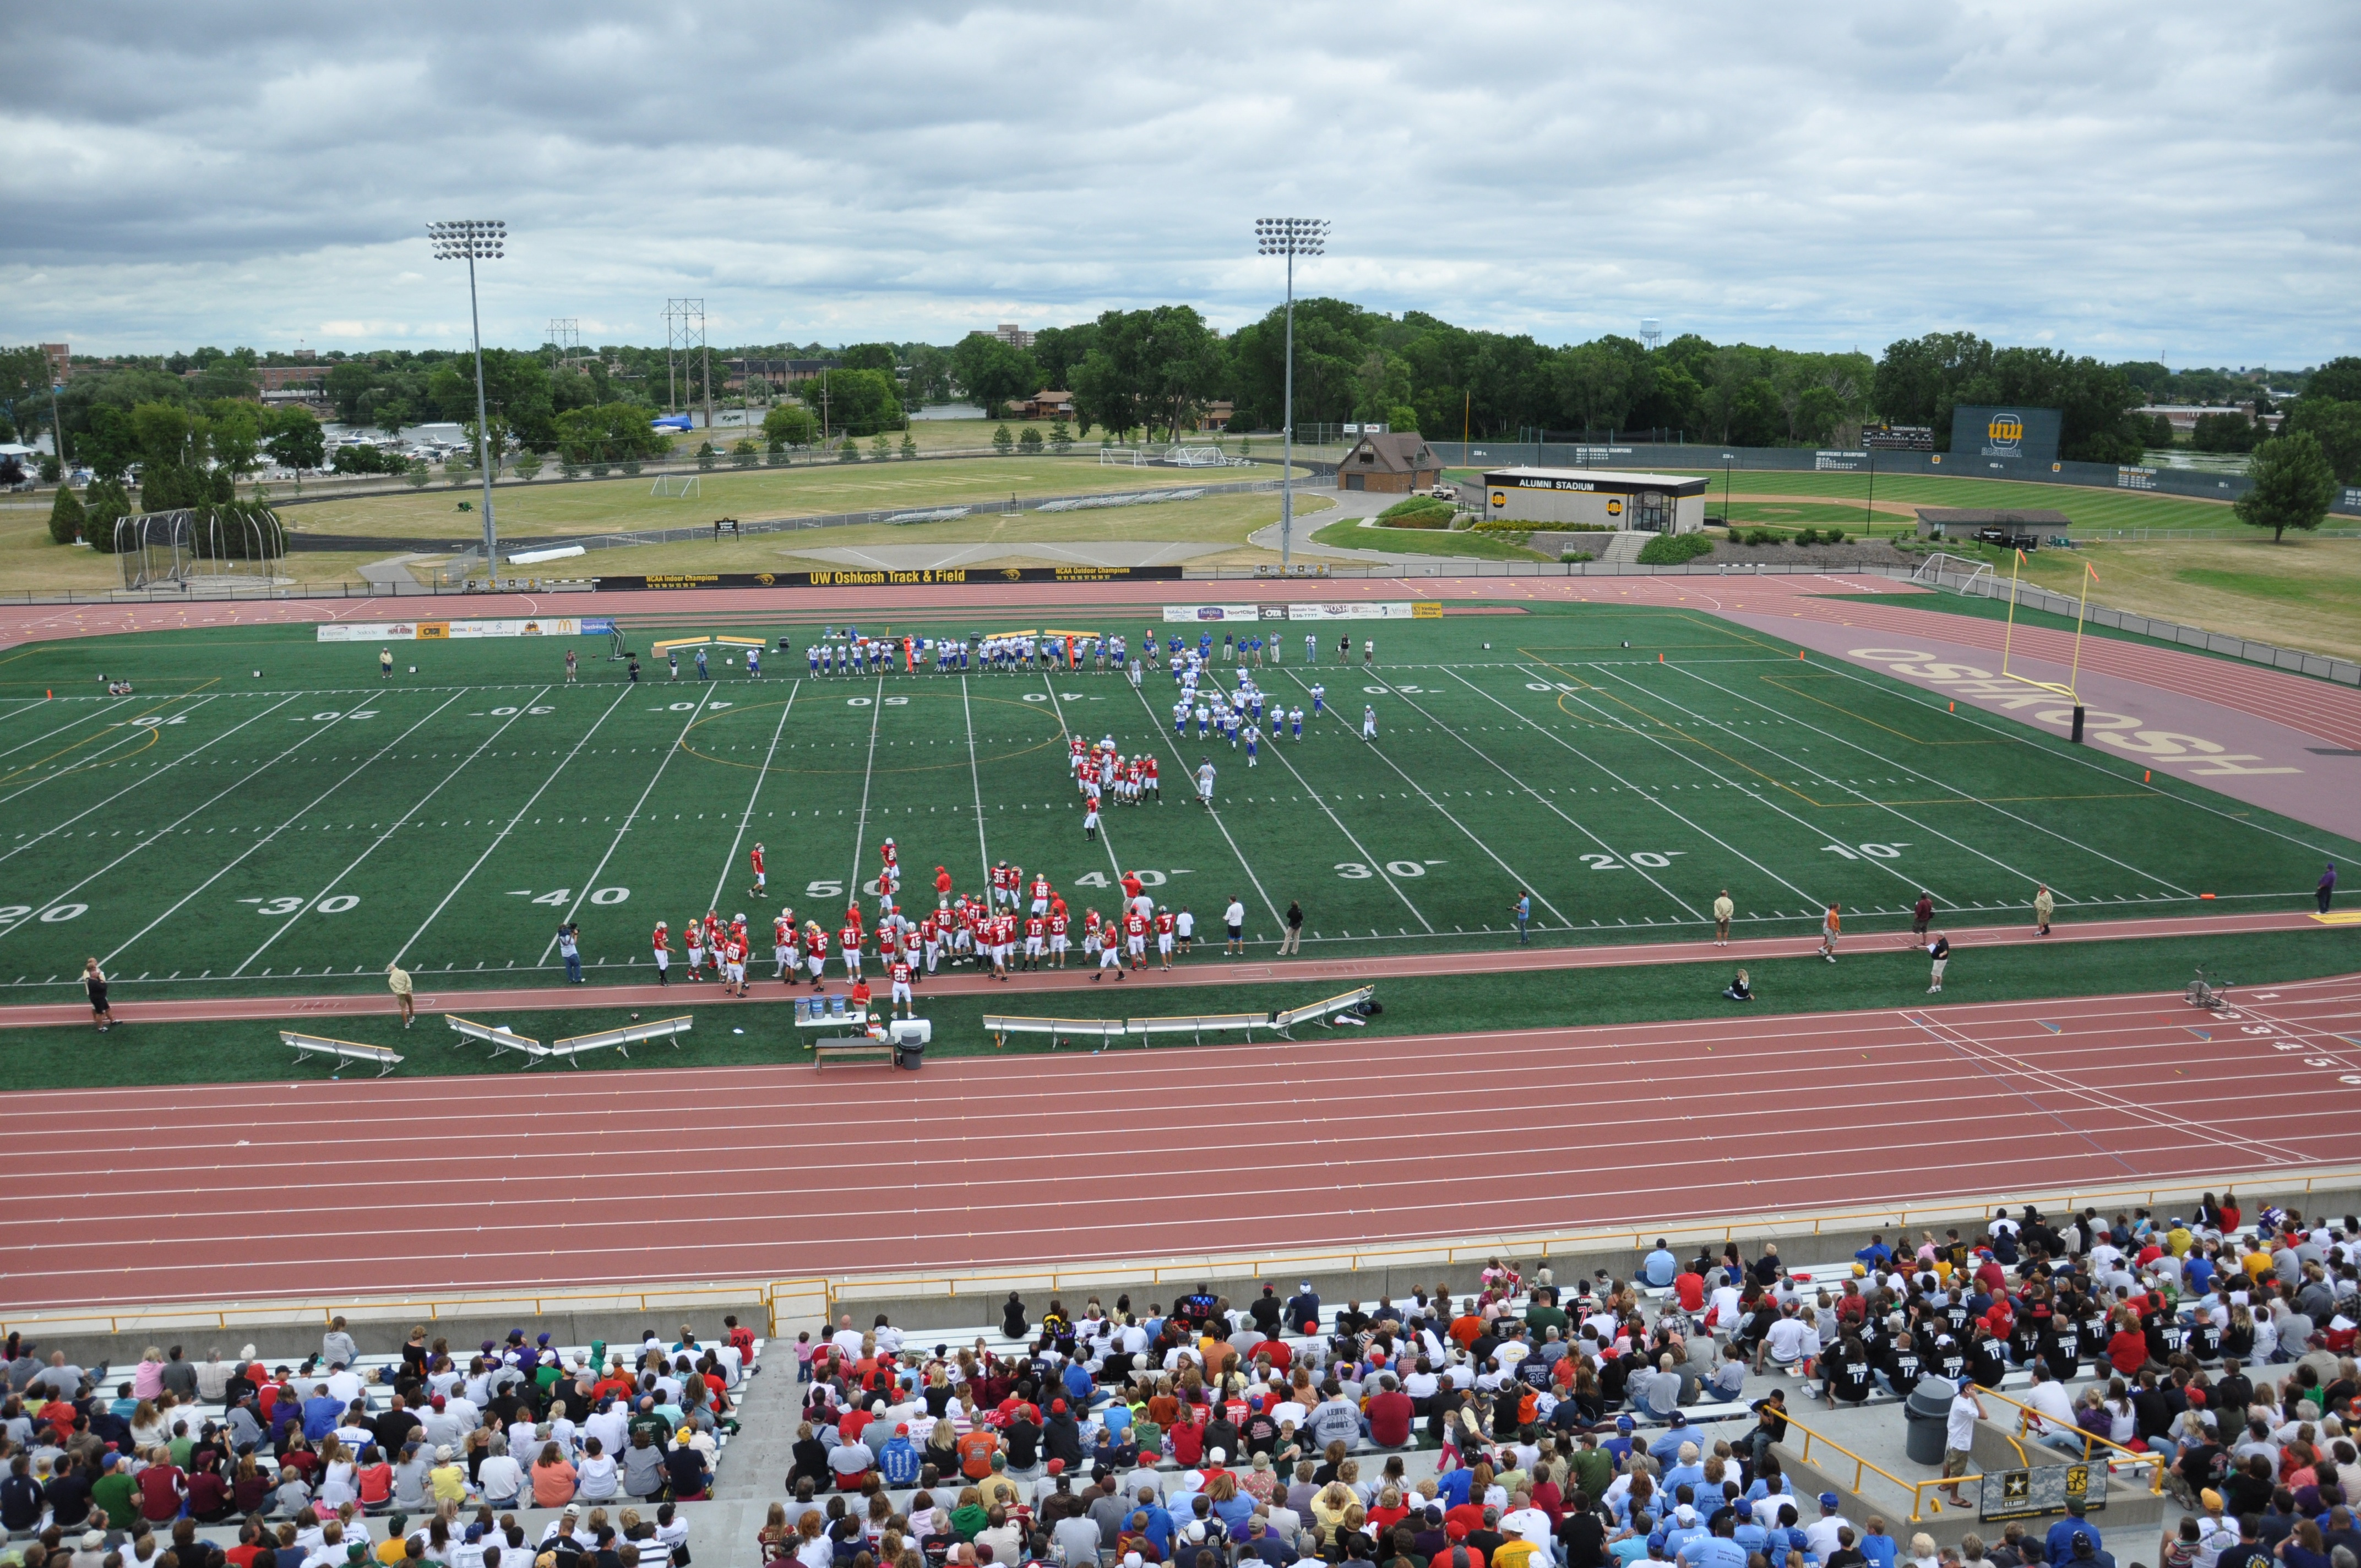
point(2100, 176)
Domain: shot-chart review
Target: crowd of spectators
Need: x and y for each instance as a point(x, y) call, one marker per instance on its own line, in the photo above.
point(440, 1446)
point(1205, 1435)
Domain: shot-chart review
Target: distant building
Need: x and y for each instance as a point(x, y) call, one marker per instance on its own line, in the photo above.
point(2184, 416)
point(61, 360)
point(1216, 416)
point(1395, 462)
point(1601, 498)
point(779, 375)
point(1969, 523)
point(1014, 336)
point(292, 383)
point(1047, 405)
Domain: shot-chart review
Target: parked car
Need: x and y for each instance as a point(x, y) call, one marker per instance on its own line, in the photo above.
point(2006, 540)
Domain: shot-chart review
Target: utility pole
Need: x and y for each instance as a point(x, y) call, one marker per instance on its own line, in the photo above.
point(1290, 238)
point(468, 239)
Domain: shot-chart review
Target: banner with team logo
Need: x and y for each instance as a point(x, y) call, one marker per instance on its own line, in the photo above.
point(1393, 610)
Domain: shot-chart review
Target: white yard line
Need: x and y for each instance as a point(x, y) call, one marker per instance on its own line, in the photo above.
point(133, 732)
point(1514, 875)
point(1106, 839)
point(56, 899)
point(1691, 823)
point(180, 902)
point(1188, 779)
point(983, 850)
point(794, 689)
point(1369, 859)
point(617, 842)
point(1925, 824)
point(148, 778)
point(868, 773)
point(508, 827)
point(112, 705)
point(288, 923)
point(1762, 796)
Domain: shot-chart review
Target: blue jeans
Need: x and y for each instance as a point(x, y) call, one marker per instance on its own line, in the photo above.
point(573, 968)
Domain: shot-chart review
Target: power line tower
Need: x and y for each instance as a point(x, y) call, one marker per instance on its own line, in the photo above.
point(685, 351)
point(566, 338)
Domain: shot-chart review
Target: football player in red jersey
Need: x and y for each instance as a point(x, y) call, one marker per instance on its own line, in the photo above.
point(1058, 925)
point(662, 944)
point(903, 1004)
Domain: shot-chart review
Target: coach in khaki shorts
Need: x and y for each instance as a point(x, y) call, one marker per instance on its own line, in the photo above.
point(1722, 910)
point(397, 980)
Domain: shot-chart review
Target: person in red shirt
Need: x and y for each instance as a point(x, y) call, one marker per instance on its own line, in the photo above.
point(848, 943)
point(1164, 936)
point(1058, 928)
point(1037, 932)
point(660, 943)
point(858, 1003)
point(942, 888)
point(903, 1004)
point(761, 883)
point(1389, 1415)
point(815, 952)
point(1688, 1287)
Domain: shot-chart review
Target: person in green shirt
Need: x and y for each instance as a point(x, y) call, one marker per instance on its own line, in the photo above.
point(1545, 1313)
point(113, 1492)
point(1592, 1468)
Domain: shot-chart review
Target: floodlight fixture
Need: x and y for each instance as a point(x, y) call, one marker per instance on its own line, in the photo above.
point(1290, 238)
point(472, 240)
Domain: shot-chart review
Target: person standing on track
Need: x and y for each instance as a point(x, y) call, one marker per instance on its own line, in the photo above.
point(1832, 927)
point(2043, 907)
point(397, 980)
point(904, 1005)
point(1722, 910)
point(2327, 888)
point(1922, 914)
point(1938, 948)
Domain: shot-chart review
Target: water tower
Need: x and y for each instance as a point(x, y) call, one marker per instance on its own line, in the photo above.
point(1651, 332)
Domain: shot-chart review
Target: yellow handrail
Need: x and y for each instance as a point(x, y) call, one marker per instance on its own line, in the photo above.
point(1861, 1467)
point(2133, 1458)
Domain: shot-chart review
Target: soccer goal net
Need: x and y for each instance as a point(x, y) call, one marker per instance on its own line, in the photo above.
point(678, 487)
point(231, 543)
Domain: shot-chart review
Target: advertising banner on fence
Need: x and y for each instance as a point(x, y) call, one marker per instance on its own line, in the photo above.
point(861, 577)
point(460, 630)
point(1395, 611)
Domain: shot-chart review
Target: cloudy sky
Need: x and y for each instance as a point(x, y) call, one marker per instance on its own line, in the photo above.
point(2121, 178)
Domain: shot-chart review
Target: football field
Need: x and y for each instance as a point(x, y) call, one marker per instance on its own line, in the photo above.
point(267, 814)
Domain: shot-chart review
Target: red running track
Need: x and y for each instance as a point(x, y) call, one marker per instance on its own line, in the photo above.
point(242, 1192)
point(1206, 968)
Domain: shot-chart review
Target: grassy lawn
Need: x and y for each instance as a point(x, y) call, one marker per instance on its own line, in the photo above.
point(1213, 520)
point(1876, 974)
point(622, 504)
point(2298, 594)
point(2088, 508)
point(1351, 535)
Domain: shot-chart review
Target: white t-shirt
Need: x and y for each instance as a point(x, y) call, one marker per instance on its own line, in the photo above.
point(1787, 1339)
point(1235, 914)
point(1960, 1425)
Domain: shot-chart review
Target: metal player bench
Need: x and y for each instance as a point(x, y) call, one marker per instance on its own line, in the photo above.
point(384, 1061)
point(1321, 1012)
point(1106, 1031)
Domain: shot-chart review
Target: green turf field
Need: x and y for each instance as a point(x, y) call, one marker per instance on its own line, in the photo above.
point(729, 1033)
point(225, 831)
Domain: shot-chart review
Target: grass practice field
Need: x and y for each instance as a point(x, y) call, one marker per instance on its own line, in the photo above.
point(298, 829)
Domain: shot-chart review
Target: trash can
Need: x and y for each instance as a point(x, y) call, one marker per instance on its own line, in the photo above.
point(1924, 1415)
point(910, 1037)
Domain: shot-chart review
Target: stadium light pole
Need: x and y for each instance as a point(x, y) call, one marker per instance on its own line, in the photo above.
point(470, 240)
point(1290, 238)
